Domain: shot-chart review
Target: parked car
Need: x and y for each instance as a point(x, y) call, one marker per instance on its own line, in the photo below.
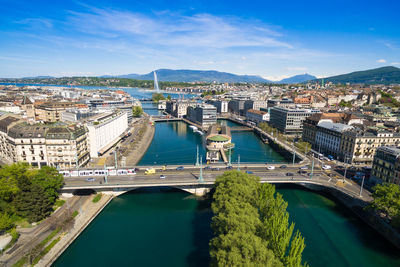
point(90, 179)
point(302, 171)
point(326, 167)
point(229, 167)
point(249, 172)
point(215, 169)
point(289, 174)
point(207, 168)
point(180, 168)
point(162, 176)
point(283, 166)
point(271, 168)
point(304, 168)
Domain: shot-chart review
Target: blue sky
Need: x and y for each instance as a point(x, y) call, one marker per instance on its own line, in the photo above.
point(273, 39)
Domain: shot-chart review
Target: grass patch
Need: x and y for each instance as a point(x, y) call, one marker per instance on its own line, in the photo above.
point(46, 250)
point(59, 203)
point(50, 237)
point(74, 214)
point(21, 262)
point(97, 198)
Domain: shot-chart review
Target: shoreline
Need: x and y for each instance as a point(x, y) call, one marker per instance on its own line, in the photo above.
point(82, 223)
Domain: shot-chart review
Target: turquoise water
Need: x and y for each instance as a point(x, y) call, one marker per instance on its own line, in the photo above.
point(176, 143)
point(165, 227)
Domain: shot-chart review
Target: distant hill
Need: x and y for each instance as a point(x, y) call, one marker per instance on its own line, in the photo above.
point(298, 78)
point(38, 77)
point(169, 75)
point(384, 75)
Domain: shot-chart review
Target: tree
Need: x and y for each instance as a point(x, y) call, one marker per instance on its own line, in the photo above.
point(50, 180)
point(157, 97)
point(137, 111)
point(251, 224)
point(169, 97)
point(387, 200)
point(9, 176)
point(6, 222)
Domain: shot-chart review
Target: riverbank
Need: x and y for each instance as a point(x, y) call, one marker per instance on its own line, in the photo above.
point(138, 150)
point(88, 212)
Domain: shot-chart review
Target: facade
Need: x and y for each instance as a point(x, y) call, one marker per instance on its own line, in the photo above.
point(51, 112)
point(105, 131)
point(359, 146)
point(236, 106)
point(178, 108)
point(310, 123)
point(202, 114)
point(289, 120)
point(74, 115)
point(386, 165)
point(221, 105)
point(62, 146)
point(257, 116)
point(254, 104)
point(328, 137)
point(285, 102)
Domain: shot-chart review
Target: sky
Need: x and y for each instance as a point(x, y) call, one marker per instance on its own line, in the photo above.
point(273, 39)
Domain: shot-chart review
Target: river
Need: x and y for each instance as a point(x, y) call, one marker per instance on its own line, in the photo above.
point(166, 227)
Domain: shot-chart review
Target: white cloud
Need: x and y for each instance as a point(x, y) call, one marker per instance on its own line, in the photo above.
point(395, 63)
point(276, 77)
point(381, 60)
point(171, 29)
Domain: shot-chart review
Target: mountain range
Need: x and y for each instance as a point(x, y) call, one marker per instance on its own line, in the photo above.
point(168, 75)
point(383, 75)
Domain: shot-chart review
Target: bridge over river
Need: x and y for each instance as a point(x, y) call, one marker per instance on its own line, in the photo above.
point(197, 182)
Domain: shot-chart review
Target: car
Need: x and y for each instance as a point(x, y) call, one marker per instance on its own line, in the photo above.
point(302, 171)
point(289, 174)
point(215, 169)
point(326, 167)
point(162, 176)
point(90, 179)
point(283, 166)
point(229, 167)
point(207, 168)
point(304, 168)
point(249, 172)
point(180, 168)
point(271, 168)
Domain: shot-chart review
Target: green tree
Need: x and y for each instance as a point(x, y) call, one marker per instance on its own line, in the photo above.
point(6, 222)
point(9, 176)
point(50, 180)
point(169, 98)
point(386, 200)
point(157, 97)
point(137, 111)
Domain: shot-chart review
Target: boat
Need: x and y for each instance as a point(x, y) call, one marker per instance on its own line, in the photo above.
point(200, 132)
point(193, 127)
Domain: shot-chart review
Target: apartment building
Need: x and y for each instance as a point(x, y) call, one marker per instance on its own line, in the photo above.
point(257, 116)
point(359, 145)
point(221, 105)
point(62, 146)
point(328, 137)
point(386, 165)
point(51, 111)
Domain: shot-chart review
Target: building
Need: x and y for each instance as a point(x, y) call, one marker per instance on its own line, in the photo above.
point(75, 115)
point(386, 165)
point(359, 145)
point(202, 114)
point(284, 102)
point(60, 145)
point(257, 116)
point(328, 137)
point(254, 104)
point(51, 111)
point(310, 123)
point(105, 131)
point(221, 105)
point(178, 108)
point(236, 106)
point(289, 120)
